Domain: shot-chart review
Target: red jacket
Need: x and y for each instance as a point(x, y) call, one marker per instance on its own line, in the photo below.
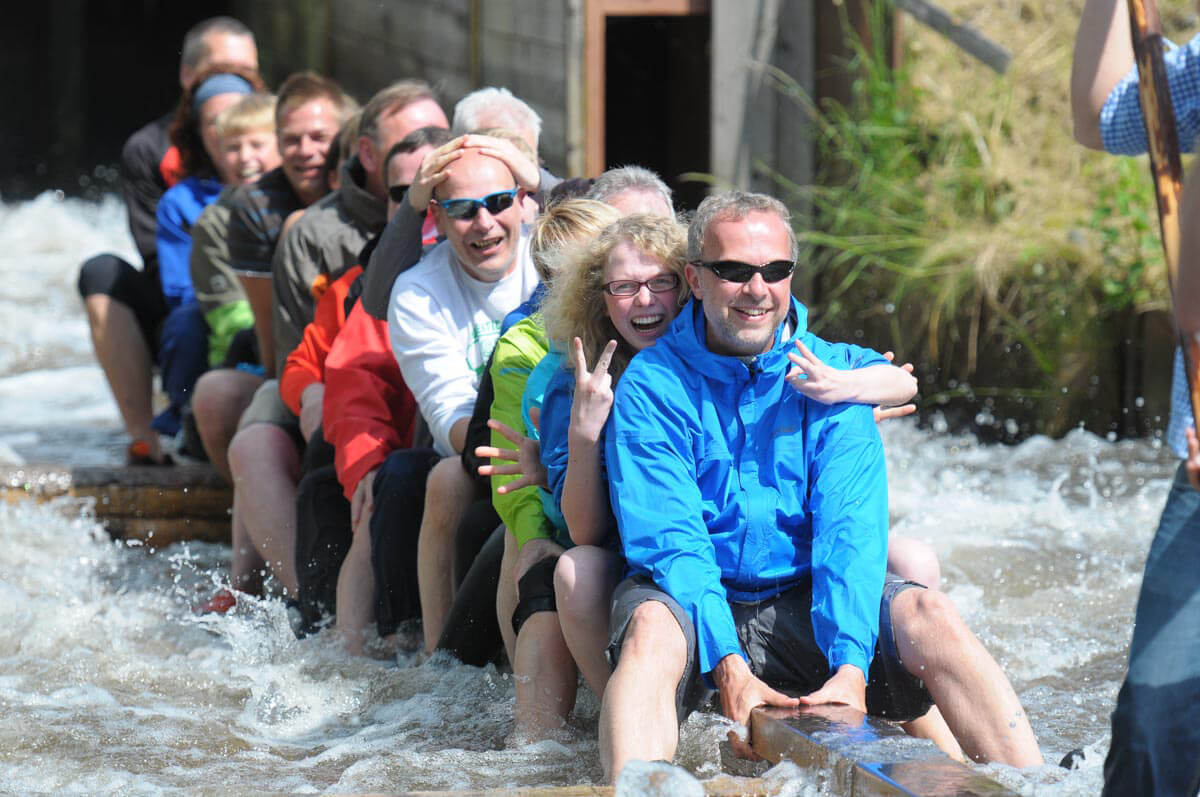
point(306, 363)
point(368, 411)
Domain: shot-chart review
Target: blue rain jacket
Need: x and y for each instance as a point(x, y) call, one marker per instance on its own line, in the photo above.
point(729, 485)
point(177, 211)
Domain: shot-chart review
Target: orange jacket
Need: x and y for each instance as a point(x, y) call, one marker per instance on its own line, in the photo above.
point(368, 411)
point(306, 364)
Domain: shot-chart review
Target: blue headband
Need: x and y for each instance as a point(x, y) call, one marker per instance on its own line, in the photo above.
point(223, 83)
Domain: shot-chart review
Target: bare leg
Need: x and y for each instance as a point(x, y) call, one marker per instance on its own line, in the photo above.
point(914, 560)
point(584, 581)
point(967, 684)
point(933, 727)
point(247, 563)
point(545, 677)
point(219, 399)
point(124, 356)
point(266, 470)
point(506, 595)
point(637, 717)
point(447, 492)
point(356, 590)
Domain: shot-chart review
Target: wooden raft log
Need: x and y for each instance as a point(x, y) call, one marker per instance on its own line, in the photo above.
point(153, 504)
point(832, 738)
point(720, 786)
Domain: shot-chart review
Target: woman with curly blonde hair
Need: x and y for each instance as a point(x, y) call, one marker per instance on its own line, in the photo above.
point(612, 298)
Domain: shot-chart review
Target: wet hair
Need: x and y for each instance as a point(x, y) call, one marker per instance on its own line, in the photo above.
point(734, 206)
point(574, 306)
point(185, 130)
point(566, 224)
point(421, 137)
point(342, 147)
point(252, 112)
point(630, 178)
point(195, 47)
point(388, 100)
point(302, 87)
point(495, 107)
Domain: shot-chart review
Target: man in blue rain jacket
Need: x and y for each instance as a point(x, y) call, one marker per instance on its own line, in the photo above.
point(751, 498)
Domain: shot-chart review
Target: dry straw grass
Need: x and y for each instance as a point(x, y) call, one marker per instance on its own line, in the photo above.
point(1010, 263)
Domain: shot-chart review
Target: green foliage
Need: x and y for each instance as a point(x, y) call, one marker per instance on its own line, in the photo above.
point(1127, 225)
point(948, 240)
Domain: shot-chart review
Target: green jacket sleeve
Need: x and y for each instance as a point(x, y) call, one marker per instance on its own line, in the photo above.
point(521, 348)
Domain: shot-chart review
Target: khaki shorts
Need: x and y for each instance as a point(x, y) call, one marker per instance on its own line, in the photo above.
point(267, 407)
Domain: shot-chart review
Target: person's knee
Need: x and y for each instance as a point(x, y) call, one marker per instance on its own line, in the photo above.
point(262, 445)
point(565, 580)
point(654, 640)
point(914, 560)
point(576, 579)
point(447, 484)
point(928, 616)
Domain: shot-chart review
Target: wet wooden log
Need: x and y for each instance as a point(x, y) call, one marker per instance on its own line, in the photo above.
point(720, 786)
point(157, 505)
point(845, 745)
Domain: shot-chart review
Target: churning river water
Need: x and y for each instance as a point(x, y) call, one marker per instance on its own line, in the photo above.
point(109, 684)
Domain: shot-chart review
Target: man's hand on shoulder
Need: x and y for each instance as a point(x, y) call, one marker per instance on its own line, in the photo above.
point(848, 686)
point(741, 690)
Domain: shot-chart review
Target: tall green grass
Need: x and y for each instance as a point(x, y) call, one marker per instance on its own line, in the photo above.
point(961, 227)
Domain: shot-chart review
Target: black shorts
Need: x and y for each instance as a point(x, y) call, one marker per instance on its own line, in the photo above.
point(776, 634)
point(140, 291)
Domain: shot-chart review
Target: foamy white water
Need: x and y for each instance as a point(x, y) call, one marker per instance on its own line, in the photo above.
point(108, 684)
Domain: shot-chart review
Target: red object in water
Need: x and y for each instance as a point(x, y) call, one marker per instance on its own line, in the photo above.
point(220, 603)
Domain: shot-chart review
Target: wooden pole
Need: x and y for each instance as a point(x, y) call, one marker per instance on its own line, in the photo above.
point(1162, 142)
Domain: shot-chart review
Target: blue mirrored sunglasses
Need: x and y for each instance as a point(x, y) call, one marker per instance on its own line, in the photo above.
point(463, 209)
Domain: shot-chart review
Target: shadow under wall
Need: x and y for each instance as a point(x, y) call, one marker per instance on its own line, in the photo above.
point(657, 98)
point(80, 76)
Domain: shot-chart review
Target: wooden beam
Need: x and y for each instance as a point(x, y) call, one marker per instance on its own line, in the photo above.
point(161, 505)
point(966, 37)
point(828, 738)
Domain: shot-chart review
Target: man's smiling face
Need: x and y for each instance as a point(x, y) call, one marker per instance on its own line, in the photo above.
point(741, 317)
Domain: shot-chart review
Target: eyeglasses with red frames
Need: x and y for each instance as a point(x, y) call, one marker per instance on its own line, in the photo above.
point(623, 289)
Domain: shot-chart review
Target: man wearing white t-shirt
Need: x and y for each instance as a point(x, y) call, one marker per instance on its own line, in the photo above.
point(444, 318)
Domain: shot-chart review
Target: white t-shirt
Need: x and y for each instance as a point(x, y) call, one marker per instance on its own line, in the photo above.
point(443, 325)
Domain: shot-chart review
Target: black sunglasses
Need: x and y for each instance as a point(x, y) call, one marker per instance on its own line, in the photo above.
point(397, 192)
point(737, 271)
point(463, 209)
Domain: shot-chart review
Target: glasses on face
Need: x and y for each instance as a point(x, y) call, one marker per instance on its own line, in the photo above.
point(397, 192)
point(663, 283)
point(464, 209)
point(737, 271)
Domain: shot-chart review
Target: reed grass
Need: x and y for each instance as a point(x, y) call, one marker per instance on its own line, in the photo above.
point(956, 221)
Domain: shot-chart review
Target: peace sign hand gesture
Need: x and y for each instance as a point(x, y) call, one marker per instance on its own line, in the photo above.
point(593, 394)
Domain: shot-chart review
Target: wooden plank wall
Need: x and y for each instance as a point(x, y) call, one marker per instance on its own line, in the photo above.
point(371, 44)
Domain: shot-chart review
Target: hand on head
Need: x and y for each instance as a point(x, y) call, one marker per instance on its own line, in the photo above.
point(524, 171)
point(434, 171)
